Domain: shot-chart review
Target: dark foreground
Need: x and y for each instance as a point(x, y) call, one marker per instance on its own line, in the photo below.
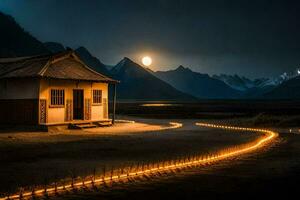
point(36, 159)
point(273, 173)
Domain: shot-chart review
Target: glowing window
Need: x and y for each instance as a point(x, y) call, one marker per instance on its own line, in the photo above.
point(57, 97)
point(97, 96)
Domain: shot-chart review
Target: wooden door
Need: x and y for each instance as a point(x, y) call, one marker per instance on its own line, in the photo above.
point(78, 104)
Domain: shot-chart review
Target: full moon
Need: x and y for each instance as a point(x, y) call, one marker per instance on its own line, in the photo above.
point(147, 61)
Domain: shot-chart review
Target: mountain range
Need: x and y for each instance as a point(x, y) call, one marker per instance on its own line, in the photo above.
point(242, 83)
point(136, 82)
point(199, 85)
point(139, 83)
point(289, 89)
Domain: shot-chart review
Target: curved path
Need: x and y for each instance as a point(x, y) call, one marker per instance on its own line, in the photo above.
point(124, 174)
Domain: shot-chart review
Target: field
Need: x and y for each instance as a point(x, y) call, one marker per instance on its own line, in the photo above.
point(34, 158)
point(40, 158)
point(273, 173)
point(275, 113)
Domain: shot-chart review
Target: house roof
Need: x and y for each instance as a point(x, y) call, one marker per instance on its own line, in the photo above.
point(66, 65)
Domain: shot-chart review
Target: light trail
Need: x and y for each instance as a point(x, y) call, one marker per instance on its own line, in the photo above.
point(124, 121)
point(268, 136)
point(174, 125)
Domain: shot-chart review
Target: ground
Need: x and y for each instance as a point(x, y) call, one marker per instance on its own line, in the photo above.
point(39, 158)
point(272, 173)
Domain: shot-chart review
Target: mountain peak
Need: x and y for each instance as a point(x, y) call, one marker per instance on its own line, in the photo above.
point(138, 82)
point(54, 47)
point(83, 50)
point(182, 68)
point(197, 84)
point(91, 60)
point(125, 64)
point(126, 60)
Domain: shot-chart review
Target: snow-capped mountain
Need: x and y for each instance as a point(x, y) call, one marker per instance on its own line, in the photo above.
point(288, 75)
point(289, 89)
point(242, 83)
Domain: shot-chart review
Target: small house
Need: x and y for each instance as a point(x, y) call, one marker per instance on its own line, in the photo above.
point(52, 90)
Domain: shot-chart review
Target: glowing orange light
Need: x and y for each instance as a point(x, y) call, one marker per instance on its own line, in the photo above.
point(268, 136)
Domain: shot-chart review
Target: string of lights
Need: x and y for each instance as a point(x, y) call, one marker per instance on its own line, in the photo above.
point(139, 170)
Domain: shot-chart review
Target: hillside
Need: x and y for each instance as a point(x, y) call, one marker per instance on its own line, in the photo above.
point(17, 42)
point(197, 84)
point(92, 61)
point(137, 83)
point(287, 90)
point(54, 47)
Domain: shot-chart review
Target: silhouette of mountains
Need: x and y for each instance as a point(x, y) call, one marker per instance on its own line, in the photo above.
point(289, 89)
point(92, 61)
point(83, 53)
point(248, 88)
point(242, 83)
point(15, 42)
point(276, 87)
point(197, 84)
point(54, 47)
point(138, 83)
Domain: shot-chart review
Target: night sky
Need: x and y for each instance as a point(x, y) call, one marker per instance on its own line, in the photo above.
point(252, 38)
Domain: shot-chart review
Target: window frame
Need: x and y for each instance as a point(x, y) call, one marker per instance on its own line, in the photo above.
point(59, 99)
point(100, 95)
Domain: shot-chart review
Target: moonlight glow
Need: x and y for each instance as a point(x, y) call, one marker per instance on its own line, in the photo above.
point(147, 61)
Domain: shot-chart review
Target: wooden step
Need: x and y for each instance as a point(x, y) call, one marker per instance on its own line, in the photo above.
point(82, 126)
point(104, 123)
point(87, 126)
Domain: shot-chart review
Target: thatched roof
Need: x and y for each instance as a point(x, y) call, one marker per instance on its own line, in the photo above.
point(64, 65)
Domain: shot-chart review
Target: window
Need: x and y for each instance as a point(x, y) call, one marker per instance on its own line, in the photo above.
point(57, 97)
point(97, 96)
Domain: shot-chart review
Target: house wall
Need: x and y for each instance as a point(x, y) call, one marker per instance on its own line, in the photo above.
point(60, 114)
point(19, 101)
point(19, 89)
